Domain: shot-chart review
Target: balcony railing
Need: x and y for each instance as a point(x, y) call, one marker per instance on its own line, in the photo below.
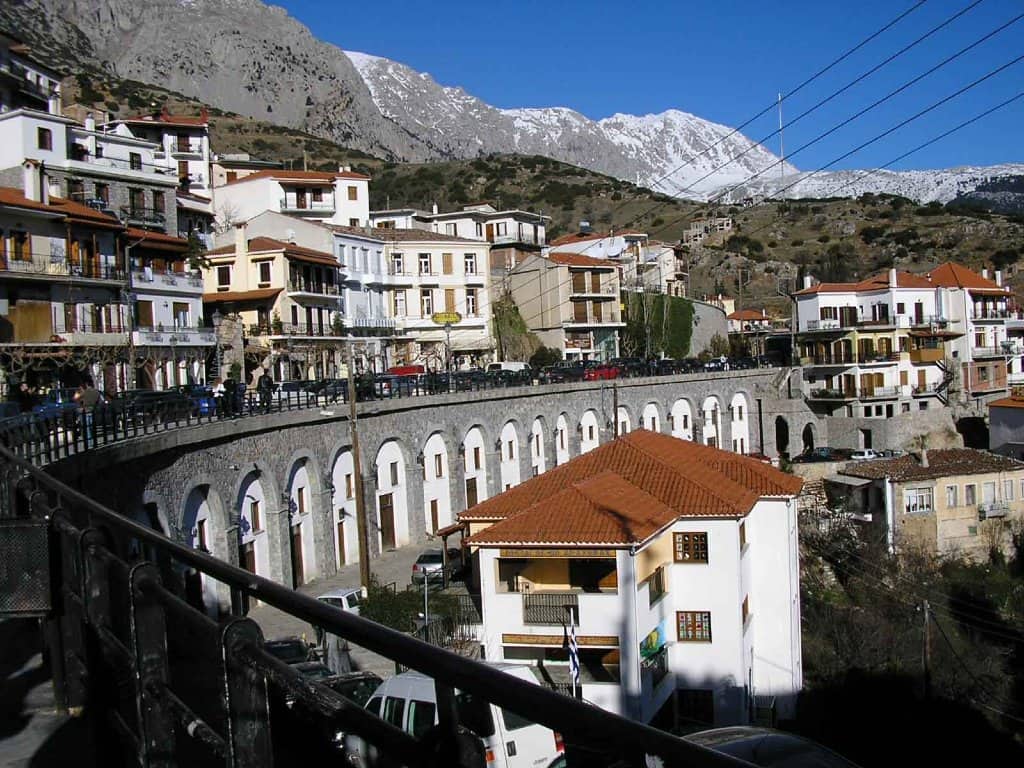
point(550, 608)
point(878, 393)
point(824, 393)
point(829, 360)
point(515, 237)
point(144, 216)
point(321, 289)
point(824, 325)
point(993, 314)
point(63, 328)
point(295, 329)
point(878, 357)
point(292, 204)
point(993, 509)
point(58, 266)
point(991, 351)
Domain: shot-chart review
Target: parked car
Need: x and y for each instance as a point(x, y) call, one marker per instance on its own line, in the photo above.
point(865, 454)
point(290, 650)
point(357, 687)
point(56, 402)
point(631, 366)
point(408, 701)
point(717, 364)
point(201, 397)
point(561, 373)
point(314, 670)
point(429, 565)
point(768, 747)
point(347, 599)
point(594, 370)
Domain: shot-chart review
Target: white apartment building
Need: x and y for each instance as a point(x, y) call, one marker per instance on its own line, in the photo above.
point(339, 197)
point(237, 165)
point(644, 265)
point(988, 349)
point(700, 230)
point(682, 580)
point(24, 82)
point(875, 348)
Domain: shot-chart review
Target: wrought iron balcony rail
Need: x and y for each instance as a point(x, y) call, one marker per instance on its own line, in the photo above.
point(168, 684)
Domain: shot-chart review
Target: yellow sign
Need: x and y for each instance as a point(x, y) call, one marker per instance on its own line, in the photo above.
point(446, 318)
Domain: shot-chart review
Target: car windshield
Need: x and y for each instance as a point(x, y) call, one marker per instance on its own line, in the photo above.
point(474, 714)
point(429, 558)
point(288, 651)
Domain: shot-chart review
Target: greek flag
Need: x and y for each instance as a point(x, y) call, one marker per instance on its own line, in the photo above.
point(574, 655)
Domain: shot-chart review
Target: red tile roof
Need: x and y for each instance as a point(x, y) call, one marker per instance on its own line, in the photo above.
point(147, 239)
point(950, 275)
point(625, 491)
point(746, 314)
point(292, 251)
point(1014, 401)
point(582, 237)
point(579, 260)
point(165, 119)
point(259, 294)
point(298, 176)
point(72, 210)
point(941, 463)
point(406, 235)
point(873, 283)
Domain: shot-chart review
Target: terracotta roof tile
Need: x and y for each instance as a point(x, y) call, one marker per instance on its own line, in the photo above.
point(579, 260)
point(1008, 402)
point(951, 275)
point(145, 239)
point(582, 237)
point(873, 283)
point(403, 235)
point(299, 176)
point(59, 205)
point(259, 294)
point(266, 244)
point(625, 491)
point(746, 314)
point(941, 463)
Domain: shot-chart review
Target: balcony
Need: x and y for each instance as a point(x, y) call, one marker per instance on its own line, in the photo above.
point(300, 206)
point(823, 325)
point(550, 608)
point(824, 393)
point(879, 393)
point(161, 280)
point(927, 355)
point(937, 321)
point(590, 321)
point(144, 217)
point(174, 337)
point(878, 358)
point(56, 265)
point(526, 237)
point(992, 313)
point(927, 390)
point(313, 288)
point(89, 334)
point(187, 148)
point(305, 330)
point(829, 360)
point(993, 509)
point(983, 352)
point(371, 326)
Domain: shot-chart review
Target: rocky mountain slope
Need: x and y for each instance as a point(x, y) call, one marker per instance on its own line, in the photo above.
point(253, 59)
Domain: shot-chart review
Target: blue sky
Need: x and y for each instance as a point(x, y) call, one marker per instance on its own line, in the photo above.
point(723, 61)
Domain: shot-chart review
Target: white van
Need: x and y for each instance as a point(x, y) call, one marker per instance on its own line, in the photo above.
point(407, 701)
point(508, 366)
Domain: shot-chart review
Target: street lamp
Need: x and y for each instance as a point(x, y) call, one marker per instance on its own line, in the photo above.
point(217, 318)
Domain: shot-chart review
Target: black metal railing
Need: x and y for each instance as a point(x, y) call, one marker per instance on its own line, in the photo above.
point(161, 682)
point(551, 608)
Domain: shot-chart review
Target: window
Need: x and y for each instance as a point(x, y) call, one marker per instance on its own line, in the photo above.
point(446, 264)
point(350, 490)
point(952, 496)
point(469, 262)
point(438, 465)
point(426, 303)
point(158, 201)
point(970, 495)
point(470, 492)
point(394, 711)
point(988, 492)
point(254, 515)
point(264, 274)
point(479, 229)
point(76, 190)
point(656, 586)
point(353, 222)
point(223, 277)
point(300, 500)
point(476, 457)
point(181, 314)
point(743, 534)
point(449, 299)
point(471, 303)
point(451, 229)
point(136, 200)
point(917, 501)
point(421, 717)
point(745, 610)
point(135, 161)
point(44, 138)
point(399, 303)
point(424, 263)
point(201, 535)
point(900, 308)
point(690, 547)
point(21, 246)
point(103, 193)
point(501, 228)
point(394, 473)
point(144, 314)
point(353, 193)
point(590, 432)
point(1007, 490)
point(318, 195)
point(693, 626)
point(397, 264)
point(511, 449)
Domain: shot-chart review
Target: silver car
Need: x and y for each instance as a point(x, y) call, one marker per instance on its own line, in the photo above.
point(430, 564)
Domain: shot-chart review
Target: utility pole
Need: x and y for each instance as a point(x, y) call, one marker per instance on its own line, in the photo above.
point(361, 527)
point(782, 149)
point(927, 651)
point(615, 406)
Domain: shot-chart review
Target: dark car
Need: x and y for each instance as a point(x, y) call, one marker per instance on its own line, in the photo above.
point(141, 407)
point(767, 747)
point(290, 650)
point(690, 365)
point(201, 396)
point(631, 366)
point(56, 402)
point(357, 687)
point(561, 373)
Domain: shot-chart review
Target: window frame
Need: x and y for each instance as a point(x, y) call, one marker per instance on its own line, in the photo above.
point(695, 545)
point(698, 627)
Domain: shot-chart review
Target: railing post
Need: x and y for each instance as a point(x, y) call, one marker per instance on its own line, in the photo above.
point(149, 649)
point(69, 615)
point(245, 690)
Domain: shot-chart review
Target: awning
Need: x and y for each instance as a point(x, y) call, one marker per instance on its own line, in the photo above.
point(448, 530)
point(853, 482)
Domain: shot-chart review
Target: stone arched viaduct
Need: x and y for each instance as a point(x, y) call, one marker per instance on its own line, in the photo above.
point(477, 443)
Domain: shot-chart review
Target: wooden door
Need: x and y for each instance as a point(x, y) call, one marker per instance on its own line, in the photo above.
point(387, 521)
point(490, 233)
point(433, 516)
point(297, 571)
point(341, 543)
point(470, 492)
point(922, 384)
point(247, 557)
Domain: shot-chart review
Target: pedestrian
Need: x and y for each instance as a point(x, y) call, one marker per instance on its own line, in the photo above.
point(218, 396)
point(264, 386)
point(229, 397)
point(88, 398)
point(25, 397)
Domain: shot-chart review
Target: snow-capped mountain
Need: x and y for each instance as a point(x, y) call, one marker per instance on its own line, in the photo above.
point(674, 152)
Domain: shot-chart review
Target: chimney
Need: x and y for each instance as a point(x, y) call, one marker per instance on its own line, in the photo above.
point(31, 180)
point(241, 241)
point(892, 277)
point(53, 105)
point(984, 272)
point(90, 122)
point(434, 209)
point(204, 114)
point(924, 458)
point(344, 169)
point(999, 277)
point(764, 313)
point(808, 281)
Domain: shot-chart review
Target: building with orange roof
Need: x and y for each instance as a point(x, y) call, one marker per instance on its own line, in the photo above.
point(672, 560)
point(24, 81)
point(571, 301)
point(989, 352)
point(339, 197)
point(874, 348)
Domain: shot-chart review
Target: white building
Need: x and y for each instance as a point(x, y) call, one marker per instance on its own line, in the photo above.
point(875, 348)
point(24, 82)
point(341, 197)
point(644, 265)
point(672, 570)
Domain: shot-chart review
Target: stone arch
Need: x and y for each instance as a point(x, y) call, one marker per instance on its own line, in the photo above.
point(343, 507)
point(650, 418)
point(624, 421)
point(590, 431)
point(711, 421)
point(807, 436)
point(739, 423)
point(681, 419)
point(437, 495)
point(304, 533)
point(561, 436)
point(392, 498)
point(508, 455)
point(255, 499)
point(474, 450)
point(204, 524)
point(538, 453)
point(781, 436)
